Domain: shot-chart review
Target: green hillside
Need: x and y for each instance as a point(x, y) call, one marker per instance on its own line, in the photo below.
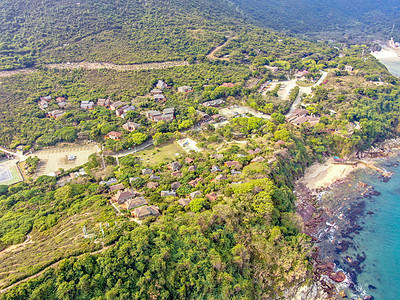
point(357, 19)
point(120, 32)
point(149, 31)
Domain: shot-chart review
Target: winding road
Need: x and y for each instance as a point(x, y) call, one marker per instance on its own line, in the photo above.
point(211, 55)
point(304, 90)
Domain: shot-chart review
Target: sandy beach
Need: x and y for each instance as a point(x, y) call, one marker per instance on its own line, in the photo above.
point(386, 52)
point(323, 175)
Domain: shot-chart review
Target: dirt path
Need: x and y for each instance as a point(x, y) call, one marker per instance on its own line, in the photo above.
point(102, 65)
point(12, 248)
point(15, 72)
point(227, 143)
point(51, 266)
point(211, 55)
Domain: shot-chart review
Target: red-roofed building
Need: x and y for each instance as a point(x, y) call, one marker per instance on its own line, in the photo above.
point(255, 151)
point(212, 196)
point(132, 203)
point(130, 126)
point(195, 182)
point(104, 102)
point(117, 187)
point(189, 160)
point(184, 202)
point(257, 159)
point(176, 174)
point(114, 135)
point(152, 185)
point(221, 177)
point(192, 168)
point(122, 196)
point(146, 211)
point(228, 84)
point(175, 166)
point(233, 164)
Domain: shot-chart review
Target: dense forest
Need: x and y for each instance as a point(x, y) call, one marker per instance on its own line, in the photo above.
point(337, 19)
point(124, 33)
point(152, 31)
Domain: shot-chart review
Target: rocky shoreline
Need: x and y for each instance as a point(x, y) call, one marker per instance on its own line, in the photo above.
point(333, 223)
point(330, 223)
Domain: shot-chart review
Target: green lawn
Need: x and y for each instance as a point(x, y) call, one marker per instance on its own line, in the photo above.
point(304, 83)
point(157, 155)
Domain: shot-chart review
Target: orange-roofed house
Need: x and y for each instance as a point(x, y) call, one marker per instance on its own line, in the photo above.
point(113, 135)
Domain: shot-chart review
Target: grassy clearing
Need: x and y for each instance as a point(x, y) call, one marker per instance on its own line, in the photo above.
point(304, 84)
point(63, 240)
point(157, 155)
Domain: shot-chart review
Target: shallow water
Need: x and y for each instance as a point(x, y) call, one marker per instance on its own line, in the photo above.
point(365, 241)
point(392, 64)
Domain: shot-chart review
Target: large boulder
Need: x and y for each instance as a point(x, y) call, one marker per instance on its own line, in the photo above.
point(338, 276)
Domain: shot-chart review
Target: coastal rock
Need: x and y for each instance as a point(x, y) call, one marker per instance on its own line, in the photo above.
point(343, 246)
point(313, 291)
point(325, 267)
point(374, 193)
point(362, 184)
point(338, 276)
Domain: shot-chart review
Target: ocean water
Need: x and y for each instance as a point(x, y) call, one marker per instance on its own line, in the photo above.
point(365, 239)
point(380, 238)
point(392, 64)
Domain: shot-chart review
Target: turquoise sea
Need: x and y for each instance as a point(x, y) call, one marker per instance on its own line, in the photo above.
point(365, 239)
point(392, 64)
point(375, 244)
point(380, 238)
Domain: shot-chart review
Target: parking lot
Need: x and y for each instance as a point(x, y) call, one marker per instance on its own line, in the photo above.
point(53, 159)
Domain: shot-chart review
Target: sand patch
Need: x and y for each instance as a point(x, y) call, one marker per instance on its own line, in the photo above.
point(323, 175)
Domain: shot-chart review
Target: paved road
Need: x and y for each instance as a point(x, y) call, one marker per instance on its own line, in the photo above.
point(306, 90)
point(136, 149)
point(22, 157)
